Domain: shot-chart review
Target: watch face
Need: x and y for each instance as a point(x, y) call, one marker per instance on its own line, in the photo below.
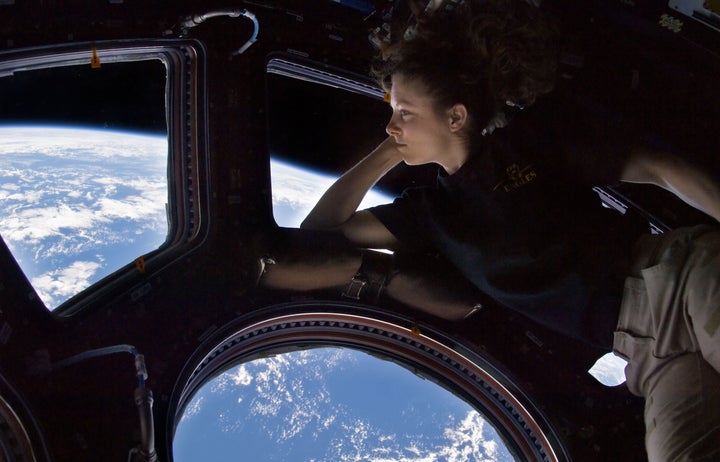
point(354, 290)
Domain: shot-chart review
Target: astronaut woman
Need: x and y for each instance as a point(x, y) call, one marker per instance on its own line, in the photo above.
point(513, 212)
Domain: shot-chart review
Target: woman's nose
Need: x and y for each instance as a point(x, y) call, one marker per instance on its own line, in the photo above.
point(392, 128)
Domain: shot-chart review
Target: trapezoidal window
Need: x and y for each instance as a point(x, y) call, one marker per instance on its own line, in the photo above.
point(88, 169)
point(321, 122)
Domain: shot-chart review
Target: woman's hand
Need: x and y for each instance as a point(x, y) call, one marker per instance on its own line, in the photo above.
point(389, 147)
point(337, 208)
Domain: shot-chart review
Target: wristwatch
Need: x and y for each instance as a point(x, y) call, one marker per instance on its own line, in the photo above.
point(371, 278)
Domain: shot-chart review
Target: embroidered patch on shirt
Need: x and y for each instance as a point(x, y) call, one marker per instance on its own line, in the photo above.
point(516, 178)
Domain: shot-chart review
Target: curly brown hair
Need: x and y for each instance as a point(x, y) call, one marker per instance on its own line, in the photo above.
point(483, 53)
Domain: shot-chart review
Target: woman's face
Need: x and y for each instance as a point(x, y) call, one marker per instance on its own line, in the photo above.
point(423, 133)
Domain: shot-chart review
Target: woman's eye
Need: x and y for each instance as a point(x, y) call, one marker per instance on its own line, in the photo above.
point(404, 113)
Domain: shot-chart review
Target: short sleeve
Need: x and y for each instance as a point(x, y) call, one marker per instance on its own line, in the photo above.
point(406, 218)
point(594, 140)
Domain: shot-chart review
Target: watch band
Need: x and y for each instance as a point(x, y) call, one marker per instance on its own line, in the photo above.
point(371, 278)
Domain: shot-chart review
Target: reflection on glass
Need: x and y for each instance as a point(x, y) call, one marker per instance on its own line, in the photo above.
point(331, 404)
point(609, 370)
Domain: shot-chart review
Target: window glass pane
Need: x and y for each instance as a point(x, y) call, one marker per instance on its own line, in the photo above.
point(317, 132)
point(296, 189)
point(331, 404)
point(83, 172)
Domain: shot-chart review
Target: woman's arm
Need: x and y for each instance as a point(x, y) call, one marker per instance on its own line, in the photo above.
point(427, 284)
point(436, 287)
point(691, 184)
point(337, 208)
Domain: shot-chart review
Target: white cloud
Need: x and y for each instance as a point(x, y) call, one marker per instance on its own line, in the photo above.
point(65, 282)
point(67, 193)
point(242, 376)
point(193, 409)
point(468, 441)
point(78, 213)
point(296, 191)
point(82, 144)
point(35, 224)
point(271, 389)
point(135, 208)
point(26, 197)
point(288, 397)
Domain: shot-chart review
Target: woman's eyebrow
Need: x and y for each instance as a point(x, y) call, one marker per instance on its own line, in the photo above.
point(403, 102)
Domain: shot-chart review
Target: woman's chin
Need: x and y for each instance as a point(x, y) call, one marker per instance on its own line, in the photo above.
point(414, 162)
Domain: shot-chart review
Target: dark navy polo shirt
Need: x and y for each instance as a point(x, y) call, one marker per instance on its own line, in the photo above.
point(520, 220)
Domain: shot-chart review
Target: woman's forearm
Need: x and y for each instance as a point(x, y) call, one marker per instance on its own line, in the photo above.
point(426, 284)
point(342, 199)
point(309, 275)
point(453, 301)
point(696, 187)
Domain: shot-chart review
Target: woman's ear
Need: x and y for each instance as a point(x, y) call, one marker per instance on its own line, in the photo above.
point(458, 117)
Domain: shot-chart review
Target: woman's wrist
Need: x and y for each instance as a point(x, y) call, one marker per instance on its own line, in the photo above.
point(387, 151)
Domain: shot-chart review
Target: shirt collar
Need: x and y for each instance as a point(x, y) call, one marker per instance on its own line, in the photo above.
point(473, 173)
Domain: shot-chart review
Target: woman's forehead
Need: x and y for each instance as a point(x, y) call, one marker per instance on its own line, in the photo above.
point(409, 91)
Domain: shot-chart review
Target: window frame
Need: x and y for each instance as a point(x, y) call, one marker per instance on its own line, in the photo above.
point(420, 348)
point(186, 115)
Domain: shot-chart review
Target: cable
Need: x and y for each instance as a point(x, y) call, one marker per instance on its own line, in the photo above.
point(140, 368)
point(95, 353)
point(145, 452)
point(193, 21)
point(252, 38)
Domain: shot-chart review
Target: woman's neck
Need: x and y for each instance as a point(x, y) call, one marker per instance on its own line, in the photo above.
point(456, 156)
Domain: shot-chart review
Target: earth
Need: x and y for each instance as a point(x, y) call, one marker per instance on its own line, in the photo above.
point(333, 405)
point(77, 204)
